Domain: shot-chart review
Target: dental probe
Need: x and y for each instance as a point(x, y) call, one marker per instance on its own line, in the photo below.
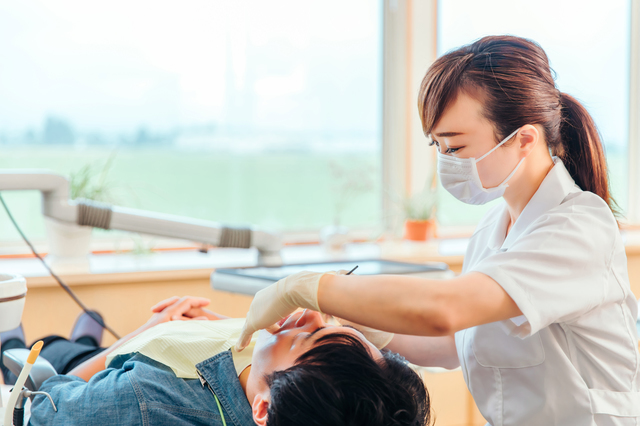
point(22, 378)
point(349, 273)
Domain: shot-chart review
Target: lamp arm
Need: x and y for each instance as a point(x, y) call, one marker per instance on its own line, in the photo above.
point(56, 205)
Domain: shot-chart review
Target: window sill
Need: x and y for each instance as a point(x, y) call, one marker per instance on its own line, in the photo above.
point(170, 265)
point(192, 264)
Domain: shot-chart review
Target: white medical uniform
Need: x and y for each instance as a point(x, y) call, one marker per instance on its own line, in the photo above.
point(572, 357)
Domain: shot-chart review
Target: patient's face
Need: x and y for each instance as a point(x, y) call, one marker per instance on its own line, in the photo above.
point(274, 352)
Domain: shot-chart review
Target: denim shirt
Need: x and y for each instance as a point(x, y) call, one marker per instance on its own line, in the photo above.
point(141, 391)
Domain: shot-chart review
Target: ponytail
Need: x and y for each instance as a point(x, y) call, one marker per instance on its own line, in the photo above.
point(581, 150)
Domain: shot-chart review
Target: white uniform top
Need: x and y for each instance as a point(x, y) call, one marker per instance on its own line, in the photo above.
point(572, 357)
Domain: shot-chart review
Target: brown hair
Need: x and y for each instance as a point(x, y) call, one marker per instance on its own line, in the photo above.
point(511, 77)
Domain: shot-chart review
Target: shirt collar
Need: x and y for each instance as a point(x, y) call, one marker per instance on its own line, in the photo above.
point(552, 191)
point(220, 373)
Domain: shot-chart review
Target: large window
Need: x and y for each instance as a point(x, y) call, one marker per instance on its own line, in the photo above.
point(248, 111)
point(588, 46)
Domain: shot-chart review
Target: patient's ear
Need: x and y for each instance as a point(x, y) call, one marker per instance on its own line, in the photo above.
point(259, 407)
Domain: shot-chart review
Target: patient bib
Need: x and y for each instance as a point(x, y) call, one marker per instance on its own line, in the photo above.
point(181, 345)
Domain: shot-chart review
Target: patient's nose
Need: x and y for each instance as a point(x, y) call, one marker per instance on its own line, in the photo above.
point(310, 319)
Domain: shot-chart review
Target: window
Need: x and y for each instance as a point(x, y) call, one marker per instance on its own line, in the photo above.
point(266, 113)
point(588, 45)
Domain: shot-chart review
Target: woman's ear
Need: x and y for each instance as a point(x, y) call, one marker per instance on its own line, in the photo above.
point(528, 137)
point(259, 407)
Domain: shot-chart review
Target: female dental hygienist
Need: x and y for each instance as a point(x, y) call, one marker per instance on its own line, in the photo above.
point(542, 319)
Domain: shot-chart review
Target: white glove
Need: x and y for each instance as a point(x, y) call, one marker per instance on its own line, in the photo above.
point(280, 299)
point(380, 339)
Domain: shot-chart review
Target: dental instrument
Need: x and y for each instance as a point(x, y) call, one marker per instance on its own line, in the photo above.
point(14, 415)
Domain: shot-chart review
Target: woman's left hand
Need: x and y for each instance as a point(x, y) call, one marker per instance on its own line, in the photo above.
point(278, 300)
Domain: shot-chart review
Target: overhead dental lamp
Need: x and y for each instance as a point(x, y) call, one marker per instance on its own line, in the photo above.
point(57, 205)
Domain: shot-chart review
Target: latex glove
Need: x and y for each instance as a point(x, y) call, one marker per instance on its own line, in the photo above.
point(280, 299)
point(380, 339)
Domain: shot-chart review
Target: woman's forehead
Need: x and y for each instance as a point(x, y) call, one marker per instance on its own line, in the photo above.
point(463, 115)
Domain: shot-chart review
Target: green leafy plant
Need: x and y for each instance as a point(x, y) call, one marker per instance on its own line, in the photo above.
point(422, 206)
point(351, 180)
point(91, 182)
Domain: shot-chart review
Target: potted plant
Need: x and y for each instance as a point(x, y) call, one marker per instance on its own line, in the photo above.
point(419, 213)
point(419, 222)
point(69, 244)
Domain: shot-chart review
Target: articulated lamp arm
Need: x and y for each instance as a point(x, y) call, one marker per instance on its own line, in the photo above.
point(56, 205)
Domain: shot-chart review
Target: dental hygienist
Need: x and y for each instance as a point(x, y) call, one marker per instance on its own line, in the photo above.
point(542, 319)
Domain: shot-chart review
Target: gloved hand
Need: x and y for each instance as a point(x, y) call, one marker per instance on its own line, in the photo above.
point(380, 339)
point(280, 299)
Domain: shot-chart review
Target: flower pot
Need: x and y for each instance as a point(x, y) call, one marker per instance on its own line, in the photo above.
point(419, 230)
point(69, 246)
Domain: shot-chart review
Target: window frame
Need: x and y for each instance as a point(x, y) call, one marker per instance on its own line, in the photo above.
point(633, 213)
point(409, 48)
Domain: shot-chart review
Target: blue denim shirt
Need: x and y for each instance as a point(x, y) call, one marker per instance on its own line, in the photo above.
point(141, 391)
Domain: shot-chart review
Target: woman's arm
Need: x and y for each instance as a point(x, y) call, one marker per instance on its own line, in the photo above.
point(173, 309)
point(426, 351)
point(416, 306)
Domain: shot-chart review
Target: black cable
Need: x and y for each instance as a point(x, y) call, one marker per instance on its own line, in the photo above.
point(66, 288)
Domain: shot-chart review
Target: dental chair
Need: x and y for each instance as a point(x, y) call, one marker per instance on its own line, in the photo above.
point(15, 360)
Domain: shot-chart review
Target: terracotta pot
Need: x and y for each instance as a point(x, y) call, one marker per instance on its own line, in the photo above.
point(419, 230)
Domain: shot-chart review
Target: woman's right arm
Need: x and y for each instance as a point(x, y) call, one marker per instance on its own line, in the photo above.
point(426, 351)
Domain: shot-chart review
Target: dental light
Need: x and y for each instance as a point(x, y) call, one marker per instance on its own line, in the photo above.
point(56, 205)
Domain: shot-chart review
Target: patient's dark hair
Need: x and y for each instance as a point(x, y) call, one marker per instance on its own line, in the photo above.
point(338, 383)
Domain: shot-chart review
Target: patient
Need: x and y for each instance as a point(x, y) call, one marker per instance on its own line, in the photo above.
point(308, 373)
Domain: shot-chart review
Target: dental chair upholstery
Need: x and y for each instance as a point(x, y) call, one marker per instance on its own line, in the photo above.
point(15, 359)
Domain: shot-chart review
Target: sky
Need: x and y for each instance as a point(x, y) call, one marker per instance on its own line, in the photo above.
point(123, 65)
point(120, 65)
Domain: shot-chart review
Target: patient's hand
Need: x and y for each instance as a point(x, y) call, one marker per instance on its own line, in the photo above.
point(175, 309)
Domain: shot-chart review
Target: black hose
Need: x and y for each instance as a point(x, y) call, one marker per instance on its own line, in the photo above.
point(65, 287)
point(18, 416)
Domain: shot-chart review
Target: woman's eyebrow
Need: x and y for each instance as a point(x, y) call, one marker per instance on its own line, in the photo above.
point(448, 134)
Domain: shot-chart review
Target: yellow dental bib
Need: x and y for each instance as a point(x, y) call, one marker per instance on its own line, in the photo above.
point(181, 345)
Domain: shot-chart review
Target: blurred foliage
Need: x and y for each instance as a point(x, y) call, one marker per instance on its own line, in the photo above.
point(91, 182)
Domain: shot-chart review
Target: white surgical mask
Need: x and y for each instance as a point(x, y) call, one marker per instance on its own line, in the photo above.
point(460, 177)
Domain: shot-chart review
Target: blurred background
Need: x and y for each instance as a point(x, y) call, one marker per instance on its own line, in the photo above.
point(285, 114)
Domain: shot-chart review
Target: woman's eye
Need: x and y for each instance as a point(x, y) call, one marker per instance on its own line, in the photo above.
point(452, 150)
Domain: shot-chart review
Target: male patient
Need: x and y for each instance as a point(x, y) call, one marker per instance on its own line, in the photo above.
point(307, 373)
